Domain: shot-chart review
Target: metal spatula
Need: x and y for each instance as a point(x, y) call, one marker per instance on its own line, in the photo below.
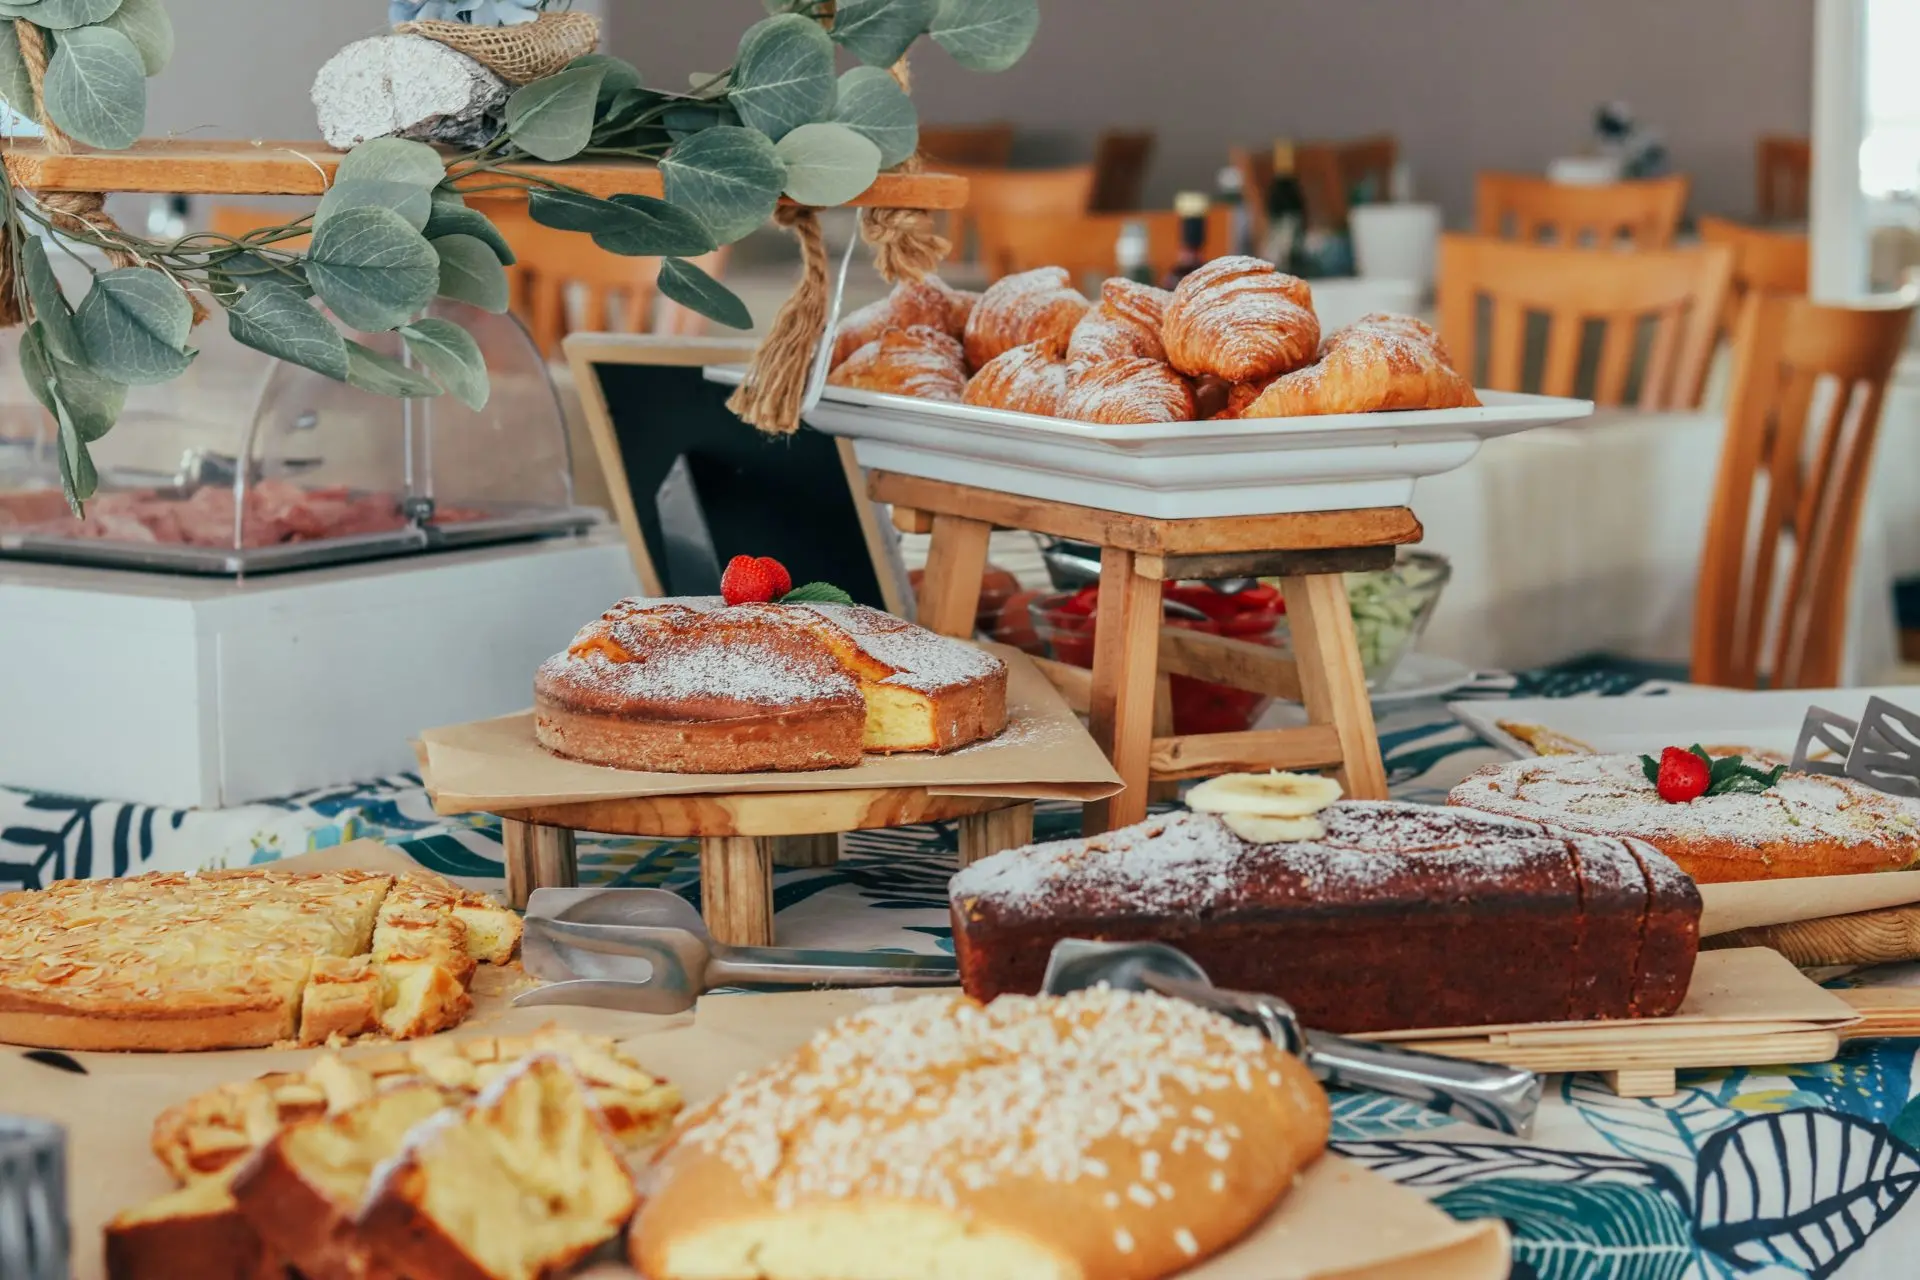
point(646, 951)
point(1881, 749)
point(1493, 1096)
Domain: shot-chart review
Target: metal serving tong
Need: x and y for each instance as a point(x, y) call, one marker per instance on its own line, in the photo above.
point(1880, 750)
point(1495, 1097)
point(647, 951)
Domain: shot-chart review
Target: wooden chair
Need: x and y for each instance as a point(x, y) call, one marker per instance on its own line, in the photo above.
point(980, 146)
point(1772, 599)
point(1644, 214)
point(1010, 196)
point(1120, 162)
point(1768, 261)
point(1330, 171)
point(1783, 169)
point(1678, 291)
point(1084, 243)
point(1256, 175)
point(238, 219)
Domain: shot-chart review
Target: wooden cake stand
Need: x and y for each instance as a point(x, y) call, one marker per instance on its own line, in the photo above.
point(1124, 693)
point(744, 836)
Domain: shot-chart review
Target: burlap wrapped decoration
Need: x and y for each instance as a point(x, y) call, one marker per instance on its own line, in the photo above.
point(518, 55)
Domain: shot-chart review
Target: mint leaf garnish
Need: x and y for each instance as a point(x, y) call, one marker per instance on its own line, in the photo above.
point(816, 593)
point(1650, 767)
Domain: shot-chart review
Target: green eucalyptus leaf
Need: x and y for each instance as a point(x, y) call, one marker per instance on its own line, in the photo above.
point(133, 327)
point(686, 119)
point(552, 119)
point(15, 87)
point(278, 321)
point(986, 35)
point(145, 22)
point(469, 272)
point(619, 123)
point(242, 271)
point(368, 370)
point(873, 105)
point(451, 355)
point(619, 76)
point(412, 203)
point(637, 226)
point(449, 219)
point(50, 305)
point(879, 32)
point(694, 289)
point(728, 177)
point(89, 403)
point(372, 268)
point(828, 164)
point(401, 160)
point(36, 366)
point(61, 15)
point(96, 87)
point(77, 474)
point(783, 75)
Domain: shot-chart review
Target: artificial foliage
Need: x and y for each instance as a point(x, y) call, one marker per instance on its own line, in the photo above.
point(393, 233)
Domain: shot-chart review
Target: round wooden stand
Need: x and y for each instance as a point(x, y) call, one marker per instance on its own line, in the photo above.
point(743, 837)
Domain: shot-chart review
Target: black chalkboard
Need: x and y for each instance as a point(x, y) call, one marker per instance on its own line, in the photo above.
point(781, 496)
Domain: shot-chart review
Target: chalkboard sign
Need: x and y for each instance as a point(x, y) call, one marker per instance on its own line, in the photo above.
point(671, 448)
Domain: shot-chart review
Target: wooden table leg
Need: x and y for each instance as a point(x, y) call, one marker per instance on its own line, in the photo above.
point(1163, 728)
point(805, 851)
point(536, 858)
point(1126, 651)
point(950, 586)
point(736, 889)
point(1333, 684)
point(987, 833)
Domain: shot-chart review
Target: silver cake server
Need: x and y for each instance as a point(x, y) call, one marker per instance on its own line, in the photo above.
point(1880, 750)
point(1496, 1097)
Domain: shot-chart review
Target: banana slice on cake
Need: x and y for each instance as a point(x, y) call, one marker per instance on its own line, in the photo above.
point(1267, 808)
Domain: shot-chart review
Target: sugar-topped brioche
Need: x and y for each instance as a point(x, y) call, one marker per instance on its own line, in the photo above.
point(1103, 1134)
point(1804, 825)
point(1385, 916)
point(695, 685)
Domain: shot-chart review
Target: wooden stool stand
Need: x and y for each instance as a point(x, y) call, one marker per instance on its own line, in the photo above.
point(1131, 717)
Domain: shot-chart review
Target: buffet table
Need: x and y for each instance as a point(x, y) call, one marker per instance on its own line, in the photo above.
point(1773, 1172)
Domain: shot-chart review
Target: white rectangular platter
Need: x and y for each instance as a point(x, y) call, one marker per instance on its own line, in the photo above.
point(1645, 724)
point(1252, 466)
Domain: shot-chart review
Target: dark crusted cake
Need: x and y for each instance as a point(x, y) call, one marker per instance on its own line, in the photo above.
point(1401, 916)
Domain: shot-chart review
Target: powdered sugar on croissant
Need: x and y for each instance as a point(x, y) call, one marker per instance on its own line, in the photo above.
point(918, 361)
point(1128, 391)
point(1380, 362)
point(1029, 379)
point(930, 302)
point(1032, 306)
point(1125, 322)
point(1242, 319)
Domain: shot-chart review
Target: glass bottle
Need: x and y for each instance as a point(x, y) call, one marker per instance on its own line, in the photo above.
point(1192, 208)
point(1231, 191)
point(1131, 254)
point(1286, 212)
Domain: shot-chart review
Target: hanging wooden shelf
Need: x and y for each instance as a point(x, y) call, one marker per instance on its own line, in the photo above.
point(180, 166)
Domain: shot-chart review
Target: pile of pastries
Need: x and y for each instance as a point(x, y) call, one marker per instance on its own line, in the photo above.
point(1238, 338)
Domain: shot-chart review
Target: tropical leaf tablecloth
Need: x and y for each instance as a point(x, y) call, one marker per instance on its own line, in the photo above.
point(1765, 1172)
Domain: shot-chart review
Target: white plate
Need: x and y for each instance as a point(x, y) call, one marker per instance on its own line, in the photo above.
point(1251, 466)
point(1646, 723)
point(1423, 675)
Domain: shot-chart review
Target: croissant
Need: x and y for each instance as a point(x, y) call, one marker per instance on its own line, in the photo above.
point(1125, 322)
point(1029, 379)
point(1240, 318)
point(919, 361)
point(1128, 391)
point(929, 302)
point(1377, 363)
point(1033, 306)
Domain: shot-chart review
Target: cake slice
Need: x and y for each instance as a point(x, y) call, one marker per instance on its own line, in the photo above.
point(419, 997)
point(489, 932)
point(300, 1190)
point(518, 1184)
point(341, 998)
point(194, 1233)
point(412, 933)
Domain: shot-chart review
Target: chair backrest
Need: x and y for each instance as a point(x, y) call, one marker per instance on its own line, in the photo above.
point(1518, 206)
point(1676, 293)
point(1006, 197)
point(1774, 575)
point(1084, 243)
point(237, 220)
point(1770, 261)
point(1783, 169)
point(1120, 160)
point(976, 146)
point(1330, 171)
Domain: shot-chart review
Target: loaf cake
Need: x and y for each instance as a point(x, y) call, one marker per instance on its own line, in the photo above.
point(1397, 916)
point(1803, 825)
point(235, 959)
point(1104, 1134)
point(698, 686)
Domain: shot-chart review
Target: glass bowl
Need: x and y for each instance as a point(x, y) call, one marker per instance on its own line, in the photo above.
point(1065, 623)
point(1391, 607)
